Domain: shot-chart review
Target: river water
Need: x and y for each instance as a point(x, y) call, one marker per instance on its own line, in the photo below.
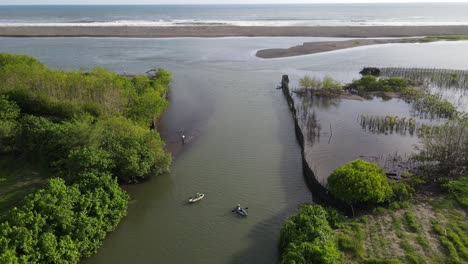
point(242, 146)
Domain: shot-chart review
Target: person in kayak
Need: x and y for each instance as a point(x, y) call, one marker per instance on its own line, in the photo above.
point(238, 207)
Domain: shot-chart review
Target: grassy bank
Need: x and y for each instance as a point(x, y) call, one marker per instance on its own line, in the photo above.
point(427, 230)
point(420, 218)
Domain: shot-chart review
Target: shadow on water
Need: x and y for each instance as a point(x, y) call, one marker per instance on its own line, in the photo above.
point(295, 190)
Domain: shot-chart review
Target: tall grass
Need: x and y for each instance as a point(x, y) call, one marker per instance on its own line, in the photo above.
point(444, 78)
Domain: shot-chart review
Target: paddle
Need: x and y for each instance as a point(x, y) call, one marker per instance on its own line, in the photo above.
point(233, 210)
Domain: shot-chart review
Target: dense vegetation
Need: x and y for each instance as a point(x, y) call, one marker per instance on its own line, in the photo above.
point(459, 190)
point(91, 130)
point(360, 182)
point(419, 218)
point(443, 152)
point(321, 87)
point(370, 83)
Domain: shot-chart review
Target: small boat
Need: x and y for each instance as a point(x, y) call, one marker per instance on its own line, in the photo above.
point(240, 211)
point(196, 198)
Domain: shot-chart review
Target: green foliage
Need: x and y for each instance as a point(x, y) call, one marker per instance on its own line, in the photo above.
point(60, 224)
point(434, 106)
point(42, 105)
point(444, 152)
point(380, 261)
point(360, 181)
point(423, 242)
point(453, 237)
point(91, 128)
point(134, 151)
point(6, 59)
point(163, 77)
point(334, 218)
point(411, 222)
point(40, 90)
point(388, 124)
point(402, 191)
point(146, 107)
point(325, 87)
point(85, 160)
point(350, 240)
point(370, 83)
point(308, 238)
point(45, 139)
point(447, 37)
point(459, 190)
point(9, 113)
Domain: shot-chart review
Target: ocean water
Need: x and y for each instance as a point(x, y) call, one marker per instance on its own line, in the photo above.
point(239, 15)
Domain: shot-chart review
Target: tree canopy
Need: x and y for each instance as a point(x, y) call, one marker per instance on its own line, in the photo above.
point(308, 238)
point(92, 129)
point(359, 181)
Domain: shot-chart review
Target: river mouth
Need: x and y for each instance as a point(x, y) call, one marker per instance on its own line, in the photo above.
point(244, 148)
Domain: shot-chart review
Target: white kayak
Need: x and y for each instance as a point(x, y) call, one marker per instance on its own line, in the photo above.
point(196, 198)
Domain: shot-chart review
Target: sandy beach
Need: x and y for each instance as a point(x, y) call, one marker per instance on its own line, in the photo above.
point(229, 31)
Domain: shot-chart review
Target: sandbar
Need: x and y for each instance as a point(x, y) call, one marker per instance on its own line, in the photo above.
point(229, 31)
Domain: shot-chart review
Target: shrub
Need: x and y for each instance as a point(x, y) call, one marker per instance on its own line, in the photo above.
point(310, 83)
point(9, 113)
point(325, 87)
point(135, 152)
point(308, 238)
point(402, 191)
point(60, 224)
point(360, 182)
point(370, 83)
point(86, 126)
point(444, 152)
point(459, 190)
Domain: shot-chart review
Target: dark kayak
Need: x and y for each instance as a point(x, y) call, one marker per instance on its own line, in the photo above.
point(240, 211)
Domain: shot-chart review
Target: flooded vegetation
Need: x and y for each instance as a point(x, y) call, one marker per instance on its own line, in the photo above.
point(388, 124)
point(443, 84)
point(393, 112)
point(442, 78)
point(400, 189)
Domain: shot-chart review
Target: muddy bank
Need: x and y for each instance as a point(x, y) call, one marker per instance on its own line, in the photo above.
point(320, 193)
point(229, 31)
point(317, 47)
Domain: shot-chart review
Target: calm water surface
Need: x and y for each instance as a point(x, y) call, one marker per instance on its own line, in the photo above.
point(242, 145)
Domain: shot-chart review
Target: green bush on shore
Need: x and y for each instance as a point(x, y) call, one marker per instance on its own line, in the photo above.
point(360, 182)
point(321, 87)
point(459, 190)
point(93, 130)
point(308, 238)
point(370, 83)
